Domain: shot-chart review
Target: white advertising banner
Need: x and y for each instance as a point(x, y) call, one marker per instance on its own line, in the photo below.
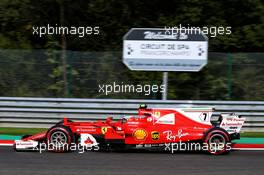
point(154, 50)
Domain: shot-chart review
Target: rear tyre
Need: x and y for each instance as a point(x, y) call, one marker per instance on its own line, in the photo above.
point(59, 139)
point(217, 142)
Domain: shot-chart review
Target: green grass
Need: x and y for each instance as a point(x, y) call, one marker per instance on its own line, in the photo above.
point(21, 131)
point(253, 134)
point(31, 131)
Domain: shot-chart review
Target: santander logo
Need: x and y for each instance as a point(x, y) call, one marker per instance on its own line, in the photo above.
point(88, 141)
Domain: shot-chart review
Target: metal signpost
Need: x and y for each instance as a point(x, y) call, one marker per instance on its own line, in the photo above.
point(161, 49)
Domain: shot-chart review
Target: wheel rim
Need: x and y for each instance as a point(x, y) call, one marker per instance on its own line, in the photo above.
point(217, 143)
point(58, 138)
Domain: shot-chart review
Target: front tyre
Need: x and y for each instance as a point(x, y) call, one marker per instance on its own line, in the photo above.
point(217, 141)
point(59, 139)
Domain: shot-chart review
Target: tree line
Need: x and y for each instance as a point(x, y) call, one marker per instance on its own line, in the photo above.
point(72, 66)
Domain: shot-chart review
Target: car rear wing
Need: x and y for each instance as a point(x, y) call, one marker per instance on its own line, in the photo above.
point(231, 122)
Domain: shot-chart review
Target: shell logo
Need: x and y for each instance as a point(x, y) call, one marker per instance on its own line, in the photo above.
point(140, 134)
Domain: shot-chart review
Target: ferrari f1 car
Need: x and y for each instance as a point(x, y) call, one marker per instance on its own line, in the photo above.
point(150, 128)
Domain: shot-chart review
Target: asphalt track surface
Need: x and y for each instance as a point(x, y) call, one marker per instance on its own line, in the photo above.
point(130, 163)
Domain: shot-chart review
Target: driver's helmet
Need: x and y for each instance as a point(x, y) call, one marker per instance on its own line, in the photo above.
point(143, 106)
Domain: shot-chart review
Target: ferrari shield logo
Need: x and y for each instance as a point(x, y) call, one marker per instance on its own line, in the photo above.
point(157, 114)
point(155, 135)
point(104, 130)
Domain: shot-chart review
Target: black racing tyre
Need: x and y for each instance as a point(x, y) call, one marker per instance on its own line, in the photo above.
point(59, 138)
point(217, 141)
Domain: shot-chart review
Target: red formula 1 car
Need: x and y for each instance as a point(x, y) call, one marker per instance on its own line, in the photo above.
point(168, 128)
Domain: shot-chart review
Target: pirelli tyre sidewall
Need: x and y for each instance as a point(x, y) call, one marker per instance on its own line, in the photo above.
point(59, 138)
point(220, 135)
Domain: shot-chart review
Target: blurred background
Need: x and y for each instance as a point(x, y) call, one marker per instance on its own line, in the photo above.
point(70, 66)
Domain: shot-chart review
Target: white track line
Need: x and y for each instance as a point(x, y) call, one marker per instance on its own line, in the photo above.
point(6, 144)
